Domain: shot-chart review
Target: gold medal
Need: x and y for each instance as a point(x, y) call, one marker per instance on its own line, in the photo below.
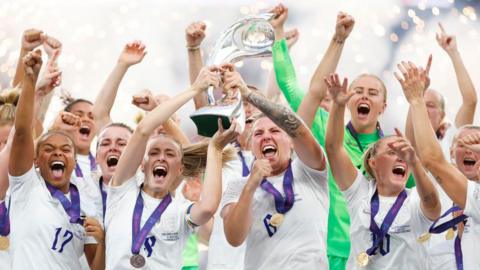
point(450, 234)
point(423, 238)
point(276, 219)
point(362, 259)
point(4, 243)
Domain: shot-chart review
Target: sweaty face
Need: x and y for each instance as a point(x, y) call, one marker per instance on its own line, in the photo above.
point(56, 160)
point(111, 143)
point(162, 164)
point(84, 135)
point(4, 131)
point(434, 108)
point(367, 103)
point(467, 161)
point(391, 172)
point(272, 143)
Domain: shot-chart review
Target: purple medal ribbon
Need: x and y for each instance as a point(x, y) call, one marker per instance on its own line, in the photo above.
point(282, 205)
point(93, 166)
point(71, 208)
point(354, 133)
point(140, 234)
point(451, 224)
point(245, 169)
point(4, 218)
point(379, 234)
point(104, 195)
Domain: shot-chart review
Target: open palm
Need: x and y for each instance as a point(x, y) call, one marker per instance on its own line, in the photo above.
point(339, 92)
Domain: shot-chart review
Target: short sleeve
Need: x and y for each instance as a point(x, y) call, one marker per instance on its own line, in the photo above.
point(357, 191)
point(232, 192)
point(314, 178)
point(472, 204)
point(23, 184)
point(420, 223)
point(116, 194)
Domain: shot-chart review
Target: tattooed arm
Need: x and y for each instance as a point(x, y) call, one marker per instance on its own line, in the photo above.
point(304, 144)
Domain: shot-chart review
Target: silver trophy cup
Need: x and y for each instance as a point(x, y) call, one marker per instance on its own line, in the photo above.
point(250, 37)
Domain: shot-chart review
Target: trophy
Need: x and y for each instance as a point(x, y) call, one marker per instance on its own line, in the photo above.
point(250, 37)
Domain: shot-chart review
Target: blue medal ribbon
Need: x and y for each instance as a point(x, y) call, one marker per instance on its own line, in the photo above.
point(71, 208)
point(379, 234)
point(104, 195)
point(140, 234)
point(4, 218)
point(282, 205)
point(354, 133)
point(93, 166)
point(245, 169)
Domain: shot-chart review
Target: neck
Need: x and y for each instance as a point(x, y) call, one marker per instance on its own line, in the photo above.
point(106, 179)
point(388, 191)
point(243, 143)
point(157, 194)
point(281, 169)
point(84, 152)
point(364, 129)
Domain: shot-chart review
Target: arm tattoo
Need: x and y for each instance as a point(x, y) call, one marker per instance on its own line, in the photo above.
point(280, 115)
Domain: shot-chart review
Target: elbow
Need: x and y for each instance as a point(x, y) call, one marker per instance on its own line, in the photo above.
point(233, 241)
point(432, 160)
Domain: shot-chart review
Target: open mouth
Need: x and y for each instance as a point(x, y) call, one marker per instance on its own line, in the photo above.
point(363, 109)
point(57, 167)
point(112, 161)
point(249, 120)
point(269, 151)
point(160, 171)
point(399, 171)
point(84, 131)
point(469, 162)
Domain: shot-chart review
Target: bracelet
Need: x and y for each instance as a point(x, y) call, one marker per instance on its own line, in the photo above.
point(193, 48)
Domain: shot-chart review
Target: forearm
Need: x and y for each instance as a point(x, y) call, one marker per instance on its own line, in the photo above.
point(98, 262)
point(106, 97)
point(174, 130)
point(429, 200)
point(409, 128)
point(239, 220)
point(19, 72)
point(195, 64)
point(273, 91)
point(467, 89)
point(212, 188)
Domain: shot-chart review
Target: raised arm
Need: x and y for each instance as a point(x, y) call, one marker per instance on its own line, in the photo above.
point(466, 111)
point(22, 153)
point(429, 200)
point(205, 208)
point(304, 144)
point(450, 178)
point(194, 35)
point(4, 159)
point(318, 89)
point(31, 39)
point(133, 153)
point(131, 54)
point(343, 170)
point(147, 102)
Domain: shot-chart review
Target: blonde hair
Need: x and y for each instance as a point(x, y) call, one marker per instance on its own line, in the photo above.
point(382, 85)
point(8, 103)
point(371, 153)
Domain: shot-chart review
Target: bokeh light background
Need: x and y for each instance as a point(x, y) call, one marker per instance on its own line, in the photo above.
point(93, 33)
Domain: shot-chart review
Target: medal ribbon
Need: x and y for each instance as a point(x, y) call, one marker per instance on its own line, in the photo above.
point(71, 208)
point(380, 233)
point(104, 195)
point(140, 234)
point(458, 251)
point(354, 133)
point(93, 166)
point(245, 169)
point(4, 218)
point(282, 205)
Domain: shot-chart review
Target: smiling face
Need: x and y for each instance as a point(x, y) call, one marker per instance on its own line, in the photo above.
point(368, 102)
point(272, 143)
point(162, 164)
point(84, 135)
point(55, 159)
point(111, 142)
point(467, 161)
point(389, 170)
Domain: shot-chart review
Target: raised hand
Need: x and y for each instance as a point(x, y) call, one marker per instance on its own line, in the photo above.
point(232, 81)
point(447, 42)
point(93, 228)
point(223, 137)
point(51, 45)
point(66, 121)
point(339, 92)
point(51, 78)
point(427, 72)
point(194, 34)
point(261, 168)
point(192, 189)
point(32, 64)
point(292, 37)
point(403, 148)
point(145, 100)
point(132, 53)
point(32, 38)
point(208, 76)
point(344, 26)
point(414, 81)
point(471, 142)
point(280, 16)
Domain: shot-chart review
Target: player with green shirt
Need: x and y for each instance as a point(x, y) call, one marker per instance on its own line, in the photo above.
point(366, 105)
